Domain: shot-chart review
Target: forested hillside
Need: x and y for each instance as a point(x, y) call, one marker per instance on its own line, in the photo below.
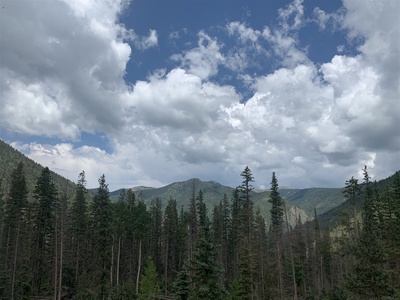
point(212, 192)
point(9, 159)
point(59, 245)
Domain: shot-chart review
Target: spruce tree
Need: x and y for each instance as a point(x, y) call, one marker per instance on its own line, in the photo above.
point(277, 208)
point(148, 282)
point(13, 240)
point(351, 191)
point(101, 221)
point(170, 239)
point(181, 287)
point(43, 251)
point(206, 271)
point(79, 228)
point(369, 278)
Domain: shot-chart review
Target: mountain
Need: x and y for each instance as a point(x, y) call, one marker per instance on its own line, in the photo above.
point(335, 216)
point(10, 158)
point(213, 192)
point(322, 199)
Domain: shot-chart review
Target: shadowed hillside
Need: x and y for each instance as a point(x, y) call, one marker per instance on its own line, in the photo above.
point(9, 159)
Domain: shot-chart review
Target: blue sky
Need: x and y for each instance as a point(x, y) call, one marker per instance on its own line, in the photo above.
point(152, 92)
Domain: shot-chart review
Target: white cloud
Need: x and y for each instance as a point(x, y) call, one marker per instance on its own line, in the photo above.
point(202, 61)
point(291, 17)
point(313, 125)
point(62, 66)
point(143, 43)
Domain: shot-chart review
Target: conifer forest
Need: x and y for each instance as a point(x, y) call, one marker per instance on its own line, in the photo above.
point(58, 243)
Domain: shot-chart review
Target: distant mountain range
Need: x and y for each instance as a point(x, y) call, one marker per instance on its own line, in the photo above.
point(329, 202)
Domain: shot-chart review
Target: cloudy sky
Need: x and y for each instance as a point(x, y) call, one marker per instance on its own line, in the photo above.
point(150, 92)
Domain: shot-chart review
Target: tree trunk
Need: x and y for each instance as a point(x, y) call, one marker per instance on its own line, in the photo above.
point(166, 265)
point(61, 255)
point(77, 260)
point(112, 262)
point(118, 259)
point(280, 280)
point(139, 265)
point(55, 260)
point(15, 263)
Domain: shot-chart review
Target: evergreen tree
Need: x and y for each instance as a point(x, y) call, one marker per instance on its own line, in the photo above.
point(142, 220)
point(277, 208)
point(44, 243)
point(203, 221)
point(181, 287)
point(148, 282)
point(170, 238)
point(369, 279)
point(234, 236)
point(101, 221)
point(206, 271)
point(246, 203)
point(351, 191)
point(13, 240)
point(276, 230)
point(156, 234)
point(79, 228)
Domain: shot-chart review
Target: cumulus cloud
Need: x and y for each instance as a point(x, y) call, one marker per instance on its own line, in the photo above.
point(62, 66)
point(202, 61)
point(312, 124)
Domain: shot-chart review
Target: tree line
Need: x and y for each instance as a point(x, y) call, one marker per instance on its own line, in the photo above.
point(56, 245)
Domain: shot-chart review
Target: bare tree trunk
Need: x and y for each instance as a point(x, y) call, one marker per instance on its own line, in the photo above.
point(15, 263)
point(112, 263)
point(55, 261)
point(139, 265)
point(280, 280)
point(118, 259)
point(77, 261)
point(166, 266)
point(61, 254)
point(8, 244)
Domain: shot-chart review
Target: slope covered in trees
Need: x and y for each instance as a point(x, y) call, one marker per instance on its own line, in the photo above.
point(72, 246)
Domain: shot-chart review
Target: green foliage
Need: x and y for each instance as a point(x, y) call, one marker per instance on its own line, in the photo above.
point(148, 282)
point(45, 194)
point(206, 271)
point(101, 222)
point(97, 251)
point(277, 207)
point(181, 286)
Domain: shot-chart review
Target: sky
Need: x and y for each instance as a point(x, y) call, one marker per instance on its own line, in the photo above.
point(150, 92)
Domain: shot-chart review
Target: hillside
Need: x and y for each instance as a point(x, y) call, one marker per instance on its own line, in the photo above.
point(10, 158)
point(213, 192)
point(323, 199)
point(333, 217)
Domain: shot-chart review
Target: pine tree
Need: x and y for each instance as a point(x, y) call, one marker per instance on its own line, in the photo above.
point(141, 222)
point(170, 239)
point(351, 191)
point(79, 228)
point(13, 232)
point(148, 282)
point(246, 203)
point(206, 271)
point(101, 221)
point(156, 234)
point(44, 242)
point(181, 287)
point(369, 279)
point(276, 230)
point(277, 208)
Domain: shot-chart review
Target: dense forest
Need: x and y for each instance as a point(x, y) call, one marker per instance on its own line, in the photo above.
point(58, 243)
